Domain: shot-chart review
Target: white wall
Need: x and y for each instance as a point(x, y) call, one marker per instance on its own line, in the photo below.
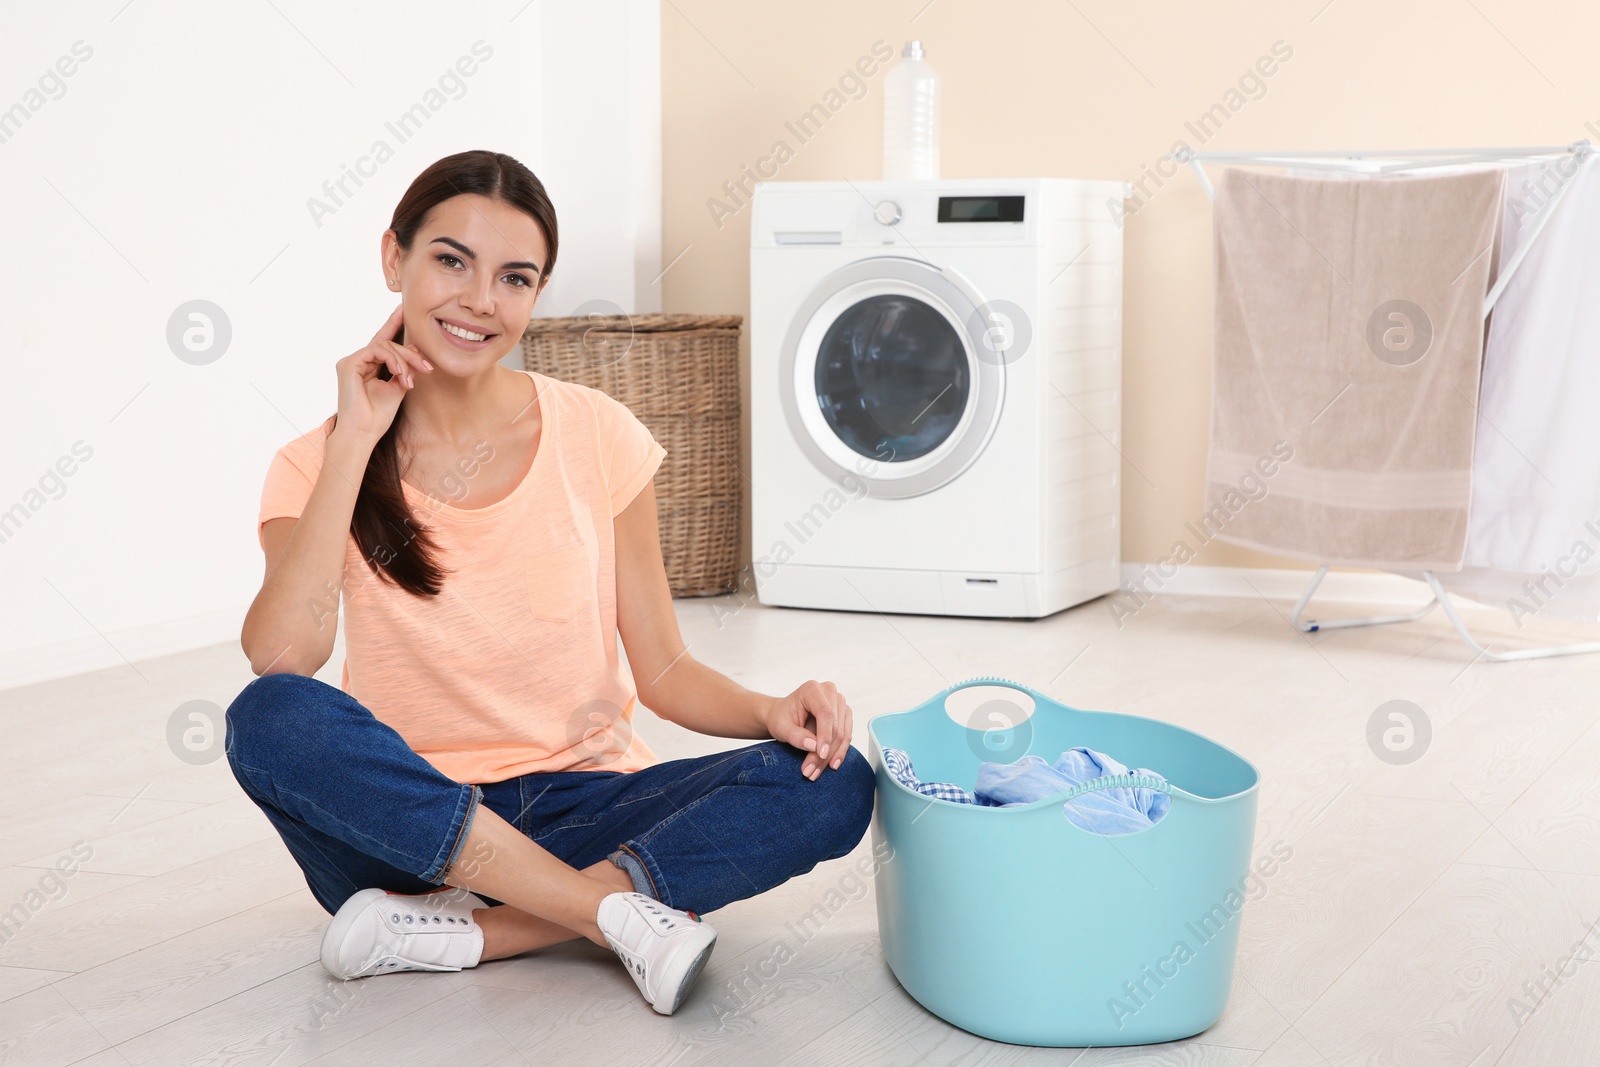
point(175, 163)
point(602, 153)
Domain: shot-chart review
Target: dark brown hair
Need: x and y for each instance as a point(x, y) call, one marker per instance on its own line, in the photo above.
point(399, 550)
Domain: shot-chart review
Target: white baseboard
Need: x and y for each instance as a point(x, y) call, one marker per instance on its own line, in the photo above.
point(1361, 587)
point(78, 655)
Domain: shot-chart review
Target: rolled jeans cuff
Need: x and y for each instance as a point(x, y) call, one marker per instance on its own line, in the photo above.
point(461, 824)
point(629, 862)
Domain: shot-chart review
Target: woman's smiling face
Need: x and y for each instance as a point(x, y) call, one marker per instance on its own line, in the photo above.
point(475, 269)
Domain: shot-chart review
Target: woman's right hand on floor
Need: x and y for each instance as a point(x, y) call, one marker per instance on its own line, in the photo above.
point(368, 403)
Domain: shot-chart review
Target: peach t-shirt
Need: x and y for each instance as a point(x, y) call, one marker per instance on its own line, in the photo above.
point(513, 667)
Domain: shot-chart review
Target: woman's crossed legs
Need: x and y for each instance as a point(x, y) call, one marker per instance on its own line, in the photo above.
point(357, 809)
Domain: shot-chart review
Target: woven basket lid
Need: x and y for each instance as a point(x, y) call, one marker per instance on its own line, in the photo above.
point(670, 322)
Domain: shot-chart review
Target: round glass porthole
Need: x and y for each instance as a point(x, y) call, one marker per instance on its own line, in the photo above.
point(892, 377)
point(881, 379)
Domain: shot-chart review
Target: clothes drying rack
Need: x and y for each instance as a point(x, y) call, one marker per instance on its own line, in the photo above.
point(1393, 162)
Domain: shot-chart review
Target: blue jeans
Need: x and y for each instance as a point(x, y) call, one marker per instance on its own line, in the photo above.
point(359, 809)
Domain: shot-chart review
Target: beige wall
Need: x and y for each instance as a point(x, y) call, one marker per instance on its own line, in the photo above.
point(1040, 89)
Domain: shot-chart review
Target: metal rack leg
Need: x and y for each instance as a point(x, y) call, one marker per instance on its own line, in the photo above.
point(1443, 599)
point(1440, 599)
point(1311, 626)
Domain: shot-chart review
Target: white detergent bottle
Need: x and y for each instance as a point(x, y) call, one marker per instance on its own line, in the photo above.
point(911, 117)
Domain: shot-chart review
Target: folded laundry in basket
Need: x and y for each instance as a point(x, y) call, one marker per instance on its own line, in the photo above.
point(899, 765)
point(1119, 810)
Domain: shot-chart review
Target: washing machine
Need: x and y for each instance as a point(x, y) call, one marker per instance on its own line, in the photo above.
point(936, 394)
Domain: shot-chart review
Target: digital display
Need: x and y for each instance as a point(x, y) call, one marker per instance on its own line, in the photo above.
point(980, 208)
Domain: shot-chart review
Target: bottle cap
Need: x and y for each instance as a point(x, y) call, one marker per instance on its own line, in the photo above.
point(913, 50)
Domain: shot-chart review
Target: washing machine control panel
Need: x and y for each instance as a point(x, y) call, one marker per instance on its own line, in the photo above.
point(980, 208)
point(876, 214)
point(920, 217)
point(961, 209)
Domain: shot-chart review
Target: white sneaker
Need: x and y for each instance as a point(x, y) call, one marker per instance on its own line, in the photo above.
point(663, 948)
point(378, 932)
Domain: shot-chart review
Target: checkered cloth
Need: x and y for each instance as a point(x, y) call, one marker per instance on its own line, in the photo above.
point(1111, 808)
point(899, 765)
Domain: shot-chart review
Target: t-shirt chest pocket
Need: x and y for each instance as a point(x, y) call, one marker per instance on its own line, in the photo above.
point(560, 584)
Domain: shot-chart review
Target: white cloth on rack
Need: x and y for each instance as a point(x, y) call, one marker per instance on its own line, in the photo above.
point(1535, 511)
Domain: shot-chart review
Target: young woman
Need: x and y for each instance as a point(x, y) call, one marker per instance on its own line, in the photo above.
point(482, 737)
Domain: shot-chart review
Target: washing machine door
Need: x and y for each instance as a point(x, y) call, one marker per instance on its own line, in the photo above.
point(891, 376)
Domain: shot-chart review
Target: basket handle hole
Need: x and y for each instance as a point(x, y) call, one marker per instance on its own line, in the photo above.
point(989, 707)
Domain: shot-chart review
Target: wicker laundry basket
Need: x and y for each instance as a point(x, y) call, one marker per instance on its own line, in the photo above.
point(679, 374)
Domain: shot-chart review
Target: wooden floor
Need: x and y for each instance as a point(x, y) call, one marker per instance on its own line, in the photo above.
point(1420, 902)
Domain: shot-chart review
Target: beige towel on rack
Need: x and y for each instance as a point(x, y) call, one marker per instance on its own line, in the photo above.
point(1348, 337)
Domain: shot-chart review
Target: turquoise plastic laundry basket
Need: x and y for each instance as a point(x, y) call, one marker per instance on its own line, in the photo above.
point(1016, 925)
